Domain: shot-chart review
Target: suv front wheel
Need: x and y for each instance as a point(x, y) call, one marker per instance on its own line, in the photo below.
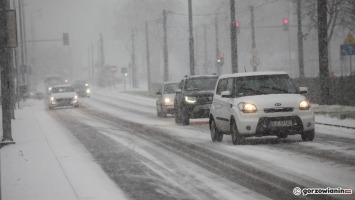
point(237, 138)
point(181, 117)
point(307, 135)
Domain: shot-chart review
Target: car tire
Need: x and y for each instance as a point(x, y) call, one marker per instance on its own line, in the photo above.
point(178, 119)
point(163, 114)
point(307, 135)
point(158, 113)
point(216, 135)
point(237, 138)
point(185, 117)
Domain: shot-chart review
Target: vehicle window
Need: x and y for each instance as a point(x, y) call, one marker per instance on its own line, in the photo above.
point(203, 83)
point(229, 86)
point(181, 84)
point(170, 88)
point(222, 84)
point(62, 89)
point(266, 84)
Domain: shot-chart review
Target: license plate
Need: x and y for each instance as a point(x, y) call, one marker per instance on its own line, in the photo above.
point(281, 123)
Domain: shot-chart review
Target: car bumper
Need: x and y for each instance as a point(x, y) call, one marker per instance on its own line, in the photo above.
point(199, 111)
point(169, 109)
point(254, 124)
point(63, 102)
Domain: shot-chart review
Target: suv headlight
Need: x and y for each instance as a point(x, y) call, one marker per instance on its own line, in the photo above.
point(191, 100)
point(167, 100)
point(88, 91)
point(305, 105)
point(52, 99)
point(247, 107)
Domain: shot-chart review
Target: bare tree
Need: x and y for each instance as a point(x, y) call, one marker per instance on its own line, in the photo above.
point(340, 13)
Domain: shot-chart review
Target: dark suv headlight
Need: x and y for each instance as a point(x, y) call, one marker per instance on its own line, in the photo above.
point(190, 100)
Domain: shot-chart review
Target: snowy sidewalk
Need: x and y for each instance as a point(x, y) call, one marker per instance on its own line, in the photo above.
point(47, 162)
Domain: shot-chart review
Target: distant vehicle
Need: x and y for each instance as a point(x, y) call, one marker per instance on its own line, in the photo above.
point(165, 101)
point(35, 95)
point(194, 98)
point(63, 95)
point(260, 104)
point(50, 81)
point(82, 88)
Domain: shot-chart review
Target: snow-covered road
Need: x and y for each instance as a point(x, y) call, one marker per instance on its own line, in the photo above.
point(153, 157)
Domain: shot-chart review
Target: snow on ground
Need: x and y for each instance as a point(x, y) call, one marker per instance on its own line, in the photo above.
point(273, 159)
point(48, 163)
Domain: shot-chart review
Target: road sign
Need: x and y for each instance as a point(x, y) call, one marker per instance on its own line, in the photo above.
point(347, 49)
point(113, 68)
point(254, 61)
point(349, 39)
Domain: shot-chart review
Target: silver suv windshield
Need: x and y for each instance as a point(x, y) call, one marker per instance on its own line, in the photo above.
point(265, 84)
point(199, 84)
point(170, 88)
point(62, 89)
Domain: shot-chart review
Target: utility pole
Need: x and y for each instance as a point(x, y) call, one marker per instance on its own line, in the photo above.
point(165, 48)
point(300, 39)
point(92, 63)
point(323, 52)
point(218, 67)
point(205, 45)
point(253, 43)
point(6, 76)
point(191, 41)
point(102, 54)
point(234, 44)
point(148, 55)
point(134, 67)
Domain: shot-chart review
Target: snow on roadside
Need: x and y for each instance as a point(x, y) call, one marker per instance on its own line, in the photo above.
point(47, 162)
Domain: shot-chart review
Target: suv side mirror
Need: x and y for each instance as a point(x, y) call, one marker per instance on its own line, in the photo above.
point(178, 91)
point(303, 90)
point(226, 94)
point(158, 93)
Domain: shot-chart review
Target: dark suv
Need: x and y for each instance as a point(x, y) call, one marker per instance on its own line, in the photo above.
point(194, 98)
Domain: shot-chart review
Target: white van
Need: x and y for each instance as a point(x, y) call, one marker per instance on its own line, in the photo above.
point(259, 104)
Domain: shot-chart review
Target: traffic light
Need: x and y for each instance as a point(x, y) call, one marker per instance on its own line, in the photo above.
point(237, 25)
point(220, 60)
point(285, 23)
point(65, 39)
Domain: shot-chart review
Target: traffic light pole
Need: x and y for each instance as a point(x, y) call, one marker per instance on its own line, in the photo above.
point(218, 68)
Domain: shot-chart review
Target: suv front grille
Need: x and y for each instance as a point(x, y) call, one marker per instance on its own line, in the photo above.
point(204, 100)
point(273, 110)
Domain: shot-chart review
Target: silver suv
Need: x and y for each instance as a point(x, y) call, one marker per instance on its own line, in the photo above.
point(259, 104)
